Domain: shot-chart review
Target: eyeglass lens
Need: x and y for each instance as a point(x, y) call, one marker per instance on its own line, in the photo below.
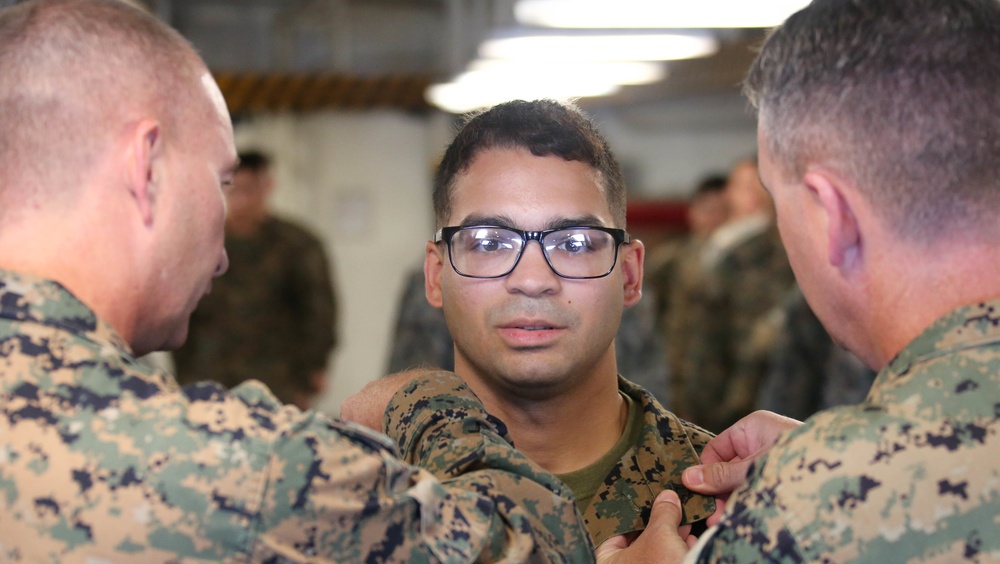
point(572, 253)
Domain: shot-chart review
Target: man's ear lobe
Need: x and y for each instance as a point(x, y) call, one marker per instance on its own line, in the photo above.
point(142, 166)
point(843, 233)
point(632, 257)
point(433, 266)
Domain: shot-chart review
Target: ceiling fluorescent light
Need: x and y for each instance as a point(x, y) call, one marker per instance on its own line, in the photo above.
point(616, 72)
point(473, 92)
point(655, 13)
point(598, 46)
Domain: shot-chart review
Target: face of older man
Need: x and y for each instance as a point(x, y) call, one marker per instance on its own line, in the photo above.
point(194, 213)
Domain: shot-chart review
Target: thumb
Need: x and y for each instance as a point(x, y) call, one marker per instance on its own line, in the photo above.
point(717, 478)
point(658, 543)
point(666, 515)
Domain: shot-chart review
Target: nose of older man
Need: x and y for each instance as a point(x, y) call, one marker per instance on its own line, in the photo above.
point(223, 264)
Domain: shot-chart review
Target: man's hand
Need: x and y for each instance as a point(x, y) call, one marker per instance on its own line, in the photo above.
point(662, 541)
point(727, 458)
point(367, 406)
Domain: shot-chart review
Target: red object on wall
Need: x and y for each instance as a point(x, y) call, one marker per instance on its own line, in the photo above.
point(657, 215)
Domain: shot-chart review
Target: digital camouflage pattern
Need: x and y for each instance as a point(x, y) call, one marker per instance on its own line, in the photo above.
point(102, 459)
point(665, 447)
point(909, 475)
point(271, 317)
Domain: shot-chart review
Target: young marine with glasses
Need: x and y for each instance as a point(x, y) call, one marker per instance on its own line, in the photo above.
point(534, 325)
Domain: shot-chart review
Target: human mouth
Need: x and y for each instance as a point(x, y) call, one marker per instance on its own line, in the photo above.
point(534, 327)
point(530, 333)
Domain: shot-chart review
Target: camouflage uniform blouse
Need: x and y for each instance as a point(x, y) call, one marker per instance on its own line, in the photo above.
point(104, 460)
point(666, 446)
point(912, 474)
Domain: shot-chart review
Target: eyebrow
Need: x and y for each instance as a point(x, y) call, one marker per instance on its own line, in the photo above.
point(587, 220)
point(495, 220)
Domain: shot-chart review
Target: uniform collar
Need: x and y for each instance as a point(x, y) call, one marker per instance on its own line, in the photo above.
point(29, 298)
point(966, 327)
point(661, 452)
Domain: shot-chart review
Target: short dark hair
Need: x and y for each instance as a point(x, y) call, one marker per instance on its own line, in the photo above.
point(903, 96)
point(544, 127)
point(712, 184)
point(254, 160)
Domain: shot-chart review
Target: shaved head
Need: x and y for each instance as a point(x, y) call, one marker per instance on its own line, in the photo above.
point(73, 74)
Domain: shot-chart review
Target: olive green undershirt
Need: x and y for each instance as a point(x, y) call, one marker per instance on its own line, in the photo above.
point(586, 481)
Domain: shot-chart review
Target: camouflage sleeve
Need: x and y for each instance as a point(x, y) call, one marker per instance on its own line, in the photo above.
point(521, 512)
point(866, 483)
point(752, 528)
point(315, 304)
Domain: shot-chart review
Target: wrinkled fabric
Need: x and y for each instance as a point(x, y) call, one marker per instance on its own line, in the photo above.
point(910, 475)
point(665, 447)
point(103, 459)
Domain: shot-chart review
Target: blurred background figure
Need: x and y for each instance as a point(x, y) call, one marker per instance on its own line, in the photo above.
point(675, 276)
point(420, 336)
point(744, 273)
point(805, 371)
point(272, 316)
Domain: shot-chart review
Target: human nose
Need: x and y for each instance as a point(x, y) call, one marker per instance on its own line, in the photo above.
point(223, 264)
point(532, 274)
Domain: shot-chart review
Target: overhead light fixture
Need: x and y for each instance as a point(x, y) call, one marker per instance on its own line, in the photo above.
point(655, 13)
point(489, 82)
point(616, 72)
point(461, 97)
point(604, 45)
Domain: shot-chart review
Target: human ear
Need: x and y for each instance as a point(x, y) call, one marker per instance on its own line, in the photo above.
point(433, 265)
point(843, 234)
point(144, 150)
point(631, 257)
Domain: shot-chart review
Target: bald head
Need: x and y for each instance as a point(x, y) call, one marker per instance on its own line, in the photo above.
point(115, 143)
point(73, 74)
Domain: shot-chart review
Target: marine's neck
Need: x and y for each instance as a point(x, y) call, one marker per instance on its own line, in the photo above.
point(917, 287)
point(566, 432)
point(93, 259)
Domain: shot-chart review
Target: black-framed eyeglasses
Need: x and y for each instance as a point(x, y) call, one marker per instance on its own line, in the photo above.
point(488, 251)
